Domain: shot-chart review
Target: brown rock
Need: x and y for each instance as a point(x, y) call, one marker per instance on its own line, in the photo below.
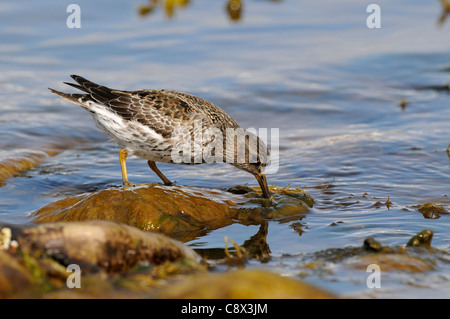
point(394, 262)
point(108, 245)
point(14, 276)
point(431, 210)
point(180, 213)
point(241, 284)
point(13, 166)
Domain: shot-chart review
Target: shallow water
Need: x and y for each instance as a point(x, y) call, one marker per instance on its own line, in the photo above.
point(332, 86)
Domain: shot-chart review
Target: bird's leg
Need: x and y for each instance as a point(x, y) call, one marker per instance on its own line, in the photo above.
point(123, 157)
point(152, 165)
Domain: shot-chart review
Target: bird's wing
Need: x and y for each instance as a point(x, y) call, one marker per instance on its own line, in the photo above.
point(162, 110)
point(172, 104)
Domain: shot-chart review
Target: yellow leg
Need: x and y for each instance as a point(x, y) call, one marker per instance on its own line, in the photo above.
point(158, 172)
point(123, 157)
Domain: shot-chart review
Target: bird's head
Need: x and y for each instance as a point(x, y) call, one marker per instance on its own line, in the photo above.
point(255, 161)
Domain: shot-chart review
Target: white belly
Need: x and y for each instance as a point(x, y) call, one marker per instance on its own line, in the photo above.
point(138, 139)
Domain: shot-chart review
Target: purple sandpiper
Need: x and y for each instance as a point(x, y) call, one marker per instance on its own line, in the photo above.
point(142, 123)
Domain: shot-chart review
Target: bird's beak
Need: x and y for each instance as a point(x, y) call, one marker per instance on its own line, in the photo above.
point(261, 178)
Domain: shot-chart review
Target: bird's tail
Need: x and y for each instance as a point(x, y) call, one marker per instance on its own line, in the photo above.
point(95, 92)
point(79, 99)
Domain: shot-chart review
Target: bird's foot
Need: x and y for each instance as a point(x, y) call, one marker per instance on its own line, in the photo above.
point(128, 184)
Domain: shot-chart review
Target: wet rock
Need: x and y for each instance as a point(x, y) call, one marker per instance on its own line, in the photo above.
point(140, 282)
point(422, 239)
point(371, 244)
point(431, 210)
point(14, 276)
point(247, 284)
point(109, 246)
point(394, 262)
point(180, 213)
point(285, 203)
point(415, 257)
point(115, 260)
point(282, 195)
point(13, 166)
point(399, 258)
point(240, 189)
point(183, 213)
point(119, 261)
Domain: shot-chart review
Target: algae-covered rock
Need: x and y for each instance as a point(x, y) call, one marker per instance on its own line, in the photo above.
point(14, 276)
point(119, 261)
point(371, 244)
point(13, 166)
point(139, 282)
point(280, 195)
point(402, 262)
point(241, 284)
point(183, 213)
point(421, 239)
point(112, 259)
point(108, 245)
point(399, 258)
point(432, 210)
point(415, 257)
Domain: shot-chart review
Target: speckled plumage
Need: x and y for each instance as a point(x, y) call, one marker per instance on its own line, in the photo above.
point(142, 122)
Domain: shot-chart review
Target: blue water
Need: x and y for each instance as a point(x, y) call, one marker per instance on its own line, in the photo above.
point(314, 70)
